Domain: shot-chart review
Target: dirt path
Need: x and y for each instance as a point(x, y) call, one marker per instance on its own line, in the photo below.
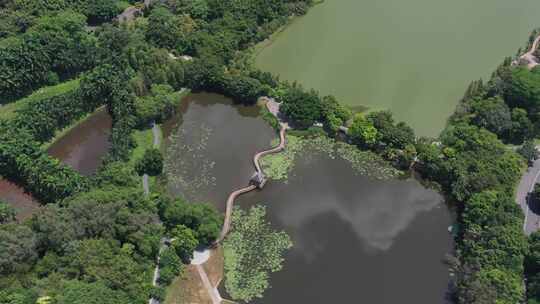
point(156, 143)
point(528, 58)
point(212, 291)
point(146, 188)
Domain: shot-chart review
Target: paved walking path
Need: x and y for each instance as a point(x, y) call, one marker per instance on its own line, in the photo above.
point(156, 143)
point(273, 107)
point(212, 291)
point(526, 185)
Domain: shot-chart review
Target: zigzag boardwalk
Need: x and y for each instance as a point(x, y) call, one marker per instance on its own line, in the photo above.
point(258, 180)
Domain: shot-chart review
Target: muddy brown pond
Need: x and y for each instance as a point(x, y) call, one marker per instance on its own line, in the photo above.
point(356, 239)
point(82, 148)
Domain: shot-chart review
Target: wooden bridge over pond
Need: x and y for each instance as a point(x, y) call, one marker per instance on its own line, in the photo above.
point(258, 180)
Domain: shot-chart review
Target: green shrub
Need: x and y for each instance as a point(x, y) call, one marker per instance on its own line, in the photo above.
point(151, 163)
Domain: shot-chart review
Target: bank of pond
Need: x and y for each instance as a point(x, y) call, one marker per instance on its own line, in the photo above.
point(389, 54)
point(81, 147)
point(357, 236)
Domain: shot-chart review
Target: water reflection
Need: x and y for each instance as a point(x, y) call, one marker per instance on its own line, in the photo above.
point(23, 203)
point(210, 147)
point(84, 146)
point(356, 240)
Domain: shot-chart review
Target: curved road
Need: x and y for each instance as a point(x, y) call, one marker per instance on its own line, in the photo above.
point(526, 185)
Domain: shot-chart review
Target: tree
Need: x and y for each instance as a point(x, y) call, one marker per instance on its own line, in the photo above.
point(78, 292)
point(18, 295)
point(243, 89)
point(529, 152)
point(363, 132)
point(184, 242)
point(105, 261)
point(334, 113)
point(493, 286)
point(522, 89)
point(151, 163)
point(101, 10)
point(252, 251)
point(479, 161)
point(7, 213)
point(304, 108)
point(522, 127)
point(170, 266)
point(18, 245)
point(195, 8)
point(203, 219)
point(532, 259)
point(164, 29)
point(492, 114)
point(389, 134)
point(116, 174)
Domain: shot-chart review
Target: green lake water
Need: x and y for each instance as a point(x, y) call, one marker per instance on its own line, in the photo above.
point(413, 57)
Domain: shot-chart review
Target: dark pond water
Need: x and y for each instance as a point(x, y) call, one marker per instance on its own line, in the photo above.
point(84, 146)
point(210, 145)
point(23, 203)
point(356, 240)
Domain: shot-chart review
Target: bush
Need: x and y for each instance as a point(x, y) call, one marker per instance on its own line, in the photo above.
point(58, 44)
point(7, 213)
point(529, 152)
point(170, 266)
point(151, 163)
point(362, 132)
point(184, 242)
point(304, 108)
point(102, 10)
point(203, 219)
point(24, 162)
point(158, 107)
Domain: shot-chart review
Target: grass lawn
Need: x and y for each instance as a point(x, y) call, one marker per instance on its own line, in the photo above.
point(122, 5)
point(188, 287)
point(8, 111)
point(144, 140)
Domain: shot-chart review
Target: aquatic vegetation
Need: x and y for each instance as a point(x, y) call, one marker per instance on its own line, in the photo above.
point(366, 162)
point(186, 167)
point(278, 166)
point(252, 251)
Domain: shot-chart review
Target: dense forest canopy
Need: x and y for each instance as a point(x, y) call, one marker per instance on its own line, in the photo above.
point(96, 238)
